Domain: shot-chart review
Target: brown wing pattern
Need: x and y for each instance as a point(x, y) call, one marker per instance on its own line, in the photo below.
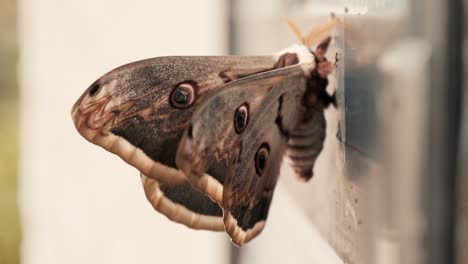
point(137, 112)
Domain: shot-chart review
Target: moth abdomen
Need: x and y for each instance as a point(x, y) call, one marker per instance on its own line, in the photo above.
point(305, 144)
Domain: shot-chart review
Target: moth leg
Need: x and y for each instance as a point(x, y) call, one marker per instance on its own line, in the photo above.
point(328, 99)
point(325, 68)
point(337, 59)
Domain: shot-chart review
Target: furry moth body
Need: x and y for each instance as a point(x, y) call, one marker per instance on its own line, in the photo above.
point(208, 134)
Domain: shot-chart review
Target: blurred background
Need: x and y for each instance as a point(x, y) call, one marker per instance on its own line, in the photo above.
point(10, 235)
point(391, 185)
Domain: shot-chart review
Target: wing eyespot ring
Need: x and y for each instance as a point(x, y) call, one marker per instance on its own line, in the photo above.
point(241, 118)
point(261, 158)
point(183, 95)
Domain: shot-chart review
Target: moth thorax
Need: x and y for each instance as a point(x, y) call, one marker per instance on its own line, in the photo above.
point(304, 56)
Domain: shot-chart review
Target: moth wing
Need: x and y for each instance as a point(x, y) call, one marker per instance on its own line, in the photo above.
point(128, 112)
point(183, 204)
point(236, 165)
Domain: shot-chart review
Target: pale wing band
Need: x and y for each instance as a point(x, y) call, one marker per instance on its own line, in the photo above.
point(176, 212)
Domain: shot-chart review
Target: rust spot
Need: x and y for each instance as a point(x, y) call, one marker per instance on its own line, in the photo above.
point(227, 76)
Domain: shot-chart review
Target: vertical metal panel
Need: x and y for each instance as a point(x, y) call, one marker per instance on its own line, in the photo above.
point(403, 121)
point(461, 232)
point(445, 35)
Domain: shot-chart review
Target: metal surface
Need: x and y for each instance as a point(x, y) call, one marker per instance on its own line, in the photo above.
point(462, 189)
point(402, 130)
point(445, 93)
point(461, 234)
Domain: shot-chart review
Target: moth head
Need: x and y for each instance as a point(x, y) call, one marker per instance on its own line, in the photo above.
point(310, 58)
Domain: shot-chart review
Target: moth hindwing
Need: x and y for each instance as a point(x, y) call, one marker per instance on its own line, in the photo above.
point(237, 139)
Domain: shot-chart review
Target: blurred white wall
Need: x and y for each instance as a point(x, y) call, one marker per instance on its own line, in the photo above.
point(79, 203)
point(289, 236)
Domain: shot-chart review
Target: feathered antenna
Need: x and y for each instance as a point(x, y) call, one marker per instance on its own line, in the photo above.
point(315, 34)
point(295, 30)
point(320, 32)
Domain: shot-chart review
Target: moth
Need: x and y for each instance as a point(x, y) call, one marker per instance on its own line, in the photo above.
point(208, 134)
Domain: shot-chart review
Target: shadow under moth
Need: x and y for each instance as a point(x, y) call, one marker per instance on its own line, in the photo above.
point(208, 134)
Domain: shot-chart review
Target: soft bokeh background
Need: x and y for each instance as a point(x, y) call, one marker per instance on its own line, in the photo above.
point(384, 190)
point(9, 217)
